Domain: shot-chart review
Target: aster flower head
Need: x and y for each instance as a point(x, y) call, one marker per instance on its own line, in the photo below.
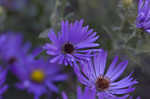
point(12, 48)
point(38, 77)
point(86, 94)
point(143, 17)
point(3, 87)
point(106, 83)
point(72, 43)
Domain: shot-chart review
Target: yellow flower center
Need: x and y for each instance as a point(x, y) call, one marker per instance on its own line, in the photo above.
point(37, 76)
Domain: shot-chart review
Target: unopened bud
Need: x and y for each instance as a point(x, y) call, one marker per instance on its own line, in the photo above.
point(1, 10)
point(127, 3)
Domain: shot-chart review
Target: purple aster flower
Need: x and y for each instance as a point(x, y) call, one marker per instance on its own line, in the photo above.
point(87, 94)
point(38, 77)
point(12, 48)
point(143, 17)
point(106, 83)
point(3, 87)
point(13, 4)
point(74, 43)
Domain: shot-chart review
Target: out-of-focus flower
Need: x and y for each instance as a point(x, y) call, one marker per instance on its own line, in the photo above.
point(3, 88)
point(13, 4)
point(1, 11)
point(73, 43)
point(87, 94)
point(38, 77)
point(143, 17)
point(106, 83)
point(127, 3)
point(12, 49)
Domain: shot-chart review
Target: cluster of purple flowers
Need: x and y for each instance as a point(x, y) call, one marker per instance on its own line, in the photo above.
point(37, 76)
point(74, 45)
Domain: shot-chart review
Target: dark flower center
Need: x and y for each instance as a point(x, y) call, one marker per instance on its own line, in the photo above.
point(68, 48)
point(102, 83)
point(12, 60)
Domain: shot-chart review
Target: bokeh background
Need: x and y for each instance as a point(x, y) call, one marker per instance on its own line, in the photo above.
point(114, 20)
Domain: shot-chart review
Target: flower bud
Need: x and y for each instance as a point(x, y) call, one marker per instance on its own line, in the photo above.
point(127, 3)
point(1, 10)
